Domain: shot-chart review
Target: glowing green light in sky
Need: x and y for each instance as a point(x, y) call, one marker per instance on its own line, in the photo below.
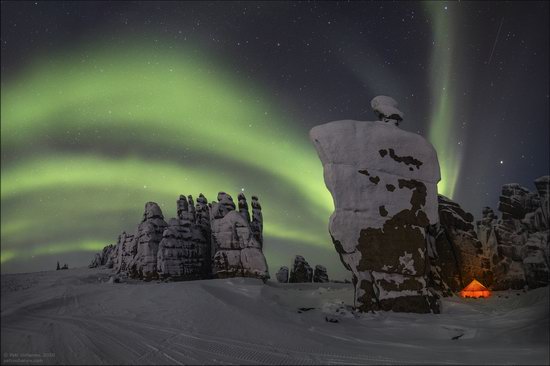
point(86, 141)
point(441, 132)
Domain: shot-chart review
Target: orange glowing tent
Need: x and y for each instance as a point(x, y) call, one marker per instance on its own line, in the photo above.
point(475, 290)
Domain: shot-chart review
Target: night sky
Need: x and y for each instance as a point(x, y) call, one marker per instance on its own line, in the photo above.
point(107, 105)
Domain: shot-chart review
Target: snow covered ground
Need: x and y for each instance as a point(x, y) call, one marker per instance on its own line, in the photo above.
point(77, 317)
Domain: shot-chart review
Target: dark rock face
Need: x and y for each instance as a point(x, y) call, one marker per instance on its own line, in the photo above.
point(203, 241)
point(320, 274)
point(301, 271)
point(516, 244)
point(456, 254)
point(202, 217)
point(399, 247)
point(282, 274)
point(257, 224)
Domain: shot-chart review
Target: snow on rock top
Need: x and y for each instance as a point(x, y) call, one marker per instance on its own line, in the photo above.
point(386, 109)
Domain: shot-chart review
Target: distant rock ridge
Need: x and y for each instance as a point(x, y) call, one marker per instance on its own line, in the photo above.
point(204, 241)
point(517, 243)
point(301, 272)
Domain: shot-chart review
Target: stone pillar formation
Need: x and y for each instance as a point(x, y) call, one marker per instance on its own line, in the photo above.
point(204, 241)
point(384, 184)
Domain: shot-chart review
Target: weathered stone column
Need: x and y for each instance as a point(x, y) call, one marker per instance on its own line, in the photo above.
point(384, 184)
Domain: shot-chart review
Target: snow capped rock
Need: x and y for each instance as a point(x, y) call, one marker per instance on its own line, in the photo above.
point(320, 274)
point(282, 274)
point(386, 109)
point(238, 252)
point(301, 271)
point(148, 237)
point(204, 240)
point(384, 184)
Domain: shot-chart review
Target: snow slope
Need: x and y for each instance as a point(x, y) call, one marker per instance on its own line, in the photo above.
point(78, 317)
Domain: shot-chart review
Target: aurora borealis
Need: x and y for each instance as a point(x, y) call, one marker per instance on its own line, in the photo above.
point(107, 106)
point(199, 115)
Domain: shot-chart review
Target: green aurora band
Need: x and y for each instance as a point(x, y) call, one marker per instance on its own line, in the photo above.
point(90, 136)
point(441, 121)
point(68, 172)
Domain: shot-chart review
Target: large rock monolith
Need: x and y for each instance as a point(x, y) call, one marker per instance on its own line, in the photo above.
point(383, 181)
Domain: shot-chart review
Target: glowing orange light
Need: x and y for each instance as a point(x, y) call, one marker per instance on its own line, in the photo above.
point(475, 289)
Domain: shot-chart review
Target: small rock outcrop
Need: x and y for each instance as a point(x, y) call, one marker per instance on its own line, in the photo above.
point(238, 251)
point(320, 274)
point(282, 274)
point(383, 181)
point(104, 258)
point(301, 271)
point(257, 224)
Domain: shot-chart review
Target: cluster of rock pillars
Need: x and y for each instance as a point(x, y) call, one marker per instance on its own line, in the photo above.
point(405, 245)
point(205, 240)
point(302, 272)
